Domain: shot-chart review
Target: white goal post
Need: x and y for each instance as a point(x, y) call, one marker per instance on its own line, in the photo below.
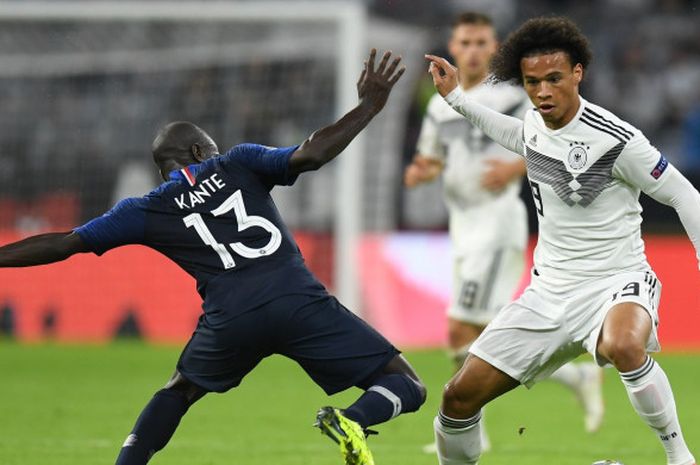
point(349, 19)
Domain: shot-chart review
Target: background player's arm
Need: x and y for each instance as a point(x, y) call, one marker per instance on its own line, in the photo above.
point(500, 173)
point(503, 129)
point(422, 169)
point(373, 89)
point(41, 249)
point(429, 159)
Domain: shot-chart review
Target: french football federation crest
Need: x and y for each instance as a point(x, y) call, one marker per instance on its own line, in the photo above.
point(578, 155)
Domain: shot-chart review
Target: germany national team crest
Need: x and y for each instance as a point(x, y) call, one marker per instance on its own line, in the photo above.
point(578, 155)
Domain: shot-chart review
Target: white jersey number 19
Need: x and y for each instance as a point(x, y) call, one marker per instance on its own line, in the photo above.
point(245, 221)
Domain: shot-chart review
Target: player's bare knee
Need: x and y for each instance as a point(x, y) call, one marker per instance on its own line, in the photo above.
point(182, 385)
point(413, 395)
point(459, 403)
point(399, 366)
point(626, 353)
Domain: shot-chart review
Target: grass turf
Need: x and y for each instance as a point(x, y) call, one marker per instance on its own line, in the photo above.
point(76, 404)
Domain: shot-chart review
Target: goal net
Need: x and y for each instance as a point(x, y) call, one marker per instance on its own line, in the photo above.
point(85, 85)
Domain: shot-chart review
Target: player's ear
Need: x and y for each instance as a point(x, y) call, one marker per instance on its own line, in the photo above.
point(578, 73)
point(197, 153)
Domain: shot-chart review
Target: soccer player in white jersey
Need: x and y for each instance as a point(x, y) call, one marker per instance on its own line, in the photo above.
point(487, 218)
point(592, 289)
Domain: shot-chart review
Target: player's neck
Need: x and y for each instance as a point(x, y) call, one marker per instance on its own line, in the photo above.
point(567, 117)
point(467, 80)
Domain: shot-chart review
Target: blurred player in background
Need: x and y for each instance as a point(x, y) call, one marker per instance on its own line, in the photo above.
point(592, 288)
point(487, 218)
point(215, 218)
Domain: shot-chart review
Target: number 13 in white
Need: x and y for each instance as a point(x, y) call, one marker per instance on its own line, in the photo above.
point(245, 221)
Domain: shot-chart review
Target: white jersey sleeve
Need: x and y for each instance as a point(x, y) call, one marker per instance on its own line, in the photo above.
point(505, 130)
point(429, 144)
point(641, 165)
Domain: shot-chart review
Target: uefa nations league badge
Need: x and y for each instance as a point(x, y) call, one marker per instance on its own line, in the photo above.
point(578, 155)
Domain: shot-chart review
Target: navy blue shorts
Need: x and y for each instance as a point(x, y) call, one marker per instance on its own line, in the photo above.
point(336, 348)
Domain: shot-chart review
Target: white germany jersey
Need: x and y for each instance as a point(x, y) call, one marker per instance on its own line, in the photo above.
point(586, 179)
point(479, 219)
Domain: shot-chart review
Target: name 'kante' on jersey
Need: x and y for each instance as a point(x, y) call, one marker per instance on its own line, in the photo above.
point(218, 222)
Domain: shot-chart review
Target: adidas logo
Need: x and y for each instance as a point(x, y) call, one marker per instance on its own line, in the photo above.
point(533, 141)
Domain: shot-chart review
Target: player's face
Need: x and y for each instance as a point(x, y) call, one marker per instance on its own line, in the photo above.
point(552, 82)
point(472, 46)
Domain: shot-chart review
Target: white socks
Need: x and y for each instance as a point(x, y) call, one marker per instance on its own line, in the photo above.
point(569, 375)
point(458, 441)
point(651, 396)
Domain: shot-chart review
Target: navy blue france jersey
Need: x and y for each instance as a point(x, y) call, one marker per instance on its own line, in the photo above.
point(218, 222)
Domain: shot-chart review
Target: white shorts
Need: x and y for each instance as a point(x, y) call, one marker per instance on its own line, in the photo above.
point(483, 283)
point(541, 331)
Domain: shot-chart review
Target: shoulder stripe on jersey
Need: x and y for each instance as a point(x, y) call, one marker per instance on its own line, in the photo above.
point(595, 125)
point(620, 127)
point(596, 117)
point(624, 137)
point(188, 176)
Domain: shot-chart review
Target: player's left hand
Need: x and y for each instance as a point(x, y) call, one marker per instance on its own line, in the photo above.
point(499, 173)
point(374, 85)
point(445, 76)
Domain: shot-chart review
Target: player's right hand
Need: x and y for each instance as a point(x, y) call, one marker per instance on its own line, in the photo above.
point(412, 176)
point(421, 170)
point(374, 85)
point(444, 74)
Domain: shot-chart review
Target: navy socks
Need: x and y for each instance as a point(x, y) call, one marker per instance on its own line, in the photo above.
point(154, 427)
point(386, 398)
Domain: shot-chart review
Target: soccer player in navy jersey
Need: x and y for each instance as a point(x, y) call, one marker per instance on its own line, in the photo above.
point(215, 218)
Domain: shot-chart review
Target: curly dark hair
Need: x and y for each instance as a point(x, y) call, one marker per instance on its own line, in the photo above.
point(539, 36)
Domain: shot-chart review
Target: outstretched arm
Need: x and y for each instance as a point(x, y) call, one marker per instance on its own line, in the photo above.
point(642, 165)
point(373, 88)
point(500, 173)
point(679, 193)
point(503, 129)
point(41, 249)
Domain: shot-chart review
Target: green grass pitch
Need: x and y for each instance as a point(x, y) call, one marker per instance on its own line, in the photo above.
point(74, 405)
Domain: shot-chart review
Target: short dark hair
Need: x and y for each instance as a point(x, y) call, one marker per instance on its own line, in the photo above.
point(472, 17)
point(539, 36)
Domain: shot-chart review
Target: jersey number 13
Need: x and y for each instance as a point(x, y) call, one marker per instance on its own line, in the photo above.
point(245, 221)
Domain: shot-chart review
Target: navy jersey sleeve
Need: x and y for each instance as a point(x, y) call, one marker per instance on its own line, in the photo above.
point(123, 224)
point(271, 164)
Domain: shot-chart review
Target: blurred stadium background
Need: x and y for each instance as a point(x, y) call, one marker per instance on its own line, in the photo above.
point(85, 85)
